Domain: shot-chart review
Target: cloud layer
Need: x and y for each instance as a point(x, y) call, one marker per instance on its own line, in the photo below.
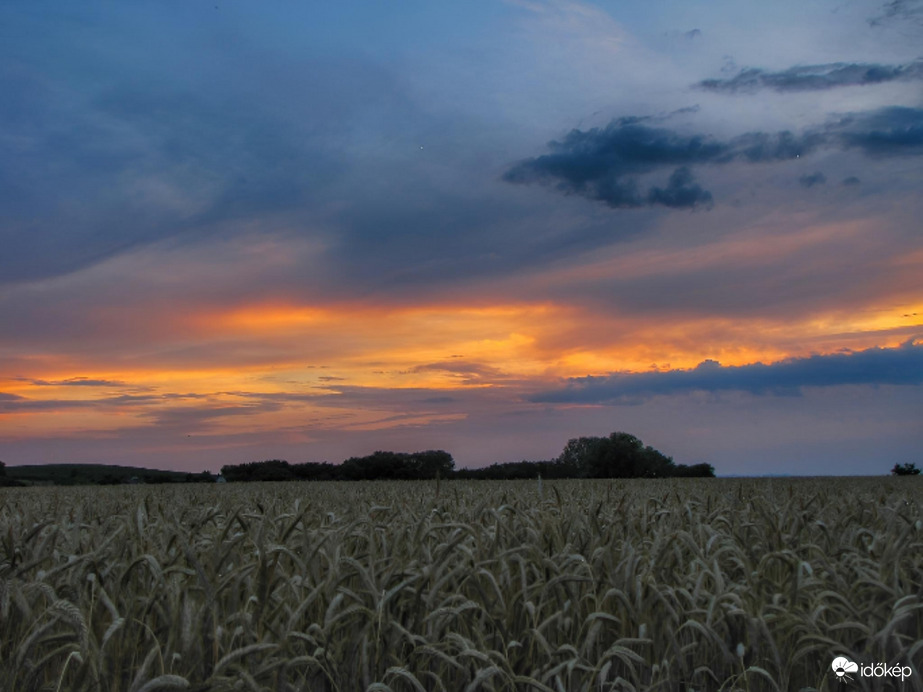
point(901, 366)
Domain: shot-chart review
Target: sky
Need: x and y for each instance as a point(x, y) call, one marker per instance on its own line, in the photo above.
point(233, 231)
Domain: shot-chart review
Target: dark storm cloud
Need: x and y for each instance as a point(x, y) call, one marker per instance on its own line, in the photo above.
point(851, 180)
point(892, 131)
point(813, 179)
point(875, 366)
point(814, 77)
point(605, 164)
point(681, 191)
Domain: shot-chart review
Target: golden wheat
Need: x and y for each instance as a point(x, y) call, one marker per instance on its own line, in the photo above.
point(563, 586)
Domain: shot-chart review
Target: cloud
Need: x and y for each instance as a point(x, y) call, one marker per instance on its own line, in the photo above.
point(814, 77)
point(464, 372)
point(764, 147)
point(438, 400)
point(813, 179)
point(851, 180)
point(14, 403)
point(902, 365)
point(891, 131)
point(197, 417)
point(107, 155)
point(11, 403)
point(899, 10)
point(605, 164)
point(175, 164)
point(78, 382)
point(681, 191)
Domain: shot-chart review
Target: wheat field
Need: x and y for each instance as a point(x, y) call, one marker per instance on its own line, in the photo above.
point(684, 584)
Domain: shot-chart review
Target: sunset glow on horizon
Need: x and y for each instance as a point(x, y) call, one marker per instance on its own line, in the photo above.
point(241, 232)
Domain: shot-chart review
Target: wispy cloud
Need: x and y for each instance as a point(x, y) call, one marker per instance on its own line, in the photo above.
point(814, 77)
point(78, 382)
point(15, 403)
point(899, 11)
point(466, 371)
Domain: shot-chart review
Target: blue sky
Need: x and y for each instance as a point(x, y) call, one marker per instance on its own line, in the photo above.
point(236, 231)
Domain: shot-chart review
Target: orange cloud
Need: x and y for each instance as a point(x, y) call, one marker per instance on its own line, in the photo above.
point(201, 360)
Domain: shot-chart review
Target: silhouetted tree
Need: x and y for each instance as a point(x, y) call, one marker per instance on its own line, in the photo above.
point(580, 455)
point(377, 466)
point(204, 477)
point(619, 455)
point(622, 455)
point(271, 470)
point(905, 470)
point(694, 471)
point(431, 463)
point(513, 470)
point(313, 471)
point(5, 481)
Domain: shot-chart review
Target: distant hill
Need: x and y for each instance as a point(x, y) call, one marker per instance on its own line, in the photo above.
point(97, 474)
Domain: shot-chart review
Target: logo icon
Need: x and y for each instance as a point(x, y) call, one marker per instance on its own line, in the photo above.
point(842, 666)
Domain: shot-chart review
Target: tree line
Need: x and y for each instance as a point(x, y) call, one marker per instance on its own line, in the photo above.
point(620, 455)
point(378, 466)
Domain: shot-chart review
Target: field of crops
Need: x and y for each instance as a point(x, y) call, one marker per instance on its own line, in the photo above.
point(682, 584)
